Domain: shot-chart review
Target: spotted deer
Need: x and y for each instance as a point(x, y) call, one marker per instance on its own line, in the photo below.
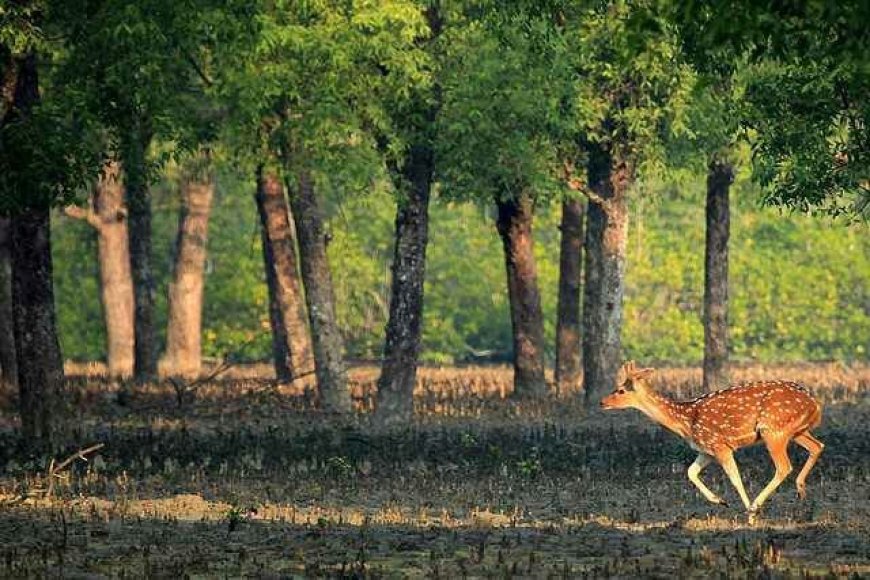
point(717, 424)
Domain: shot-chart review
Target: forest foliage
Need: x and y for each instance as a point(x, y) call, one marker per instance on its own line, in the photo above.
point(787, 270)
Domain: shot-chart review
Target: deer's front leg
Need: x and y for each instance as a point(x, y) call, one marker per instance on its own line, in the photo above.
point(702, 461)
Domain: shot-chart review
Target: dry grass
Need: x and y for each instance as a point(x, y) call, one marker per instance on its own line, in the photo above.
point(242, 477)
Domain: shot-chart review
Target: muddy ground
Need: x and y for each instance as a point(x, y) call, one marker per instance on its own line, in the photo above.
point(240, 477)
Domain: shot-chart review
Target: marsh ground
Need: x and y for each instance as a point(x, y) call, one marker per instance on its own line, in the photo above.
point(240, 477)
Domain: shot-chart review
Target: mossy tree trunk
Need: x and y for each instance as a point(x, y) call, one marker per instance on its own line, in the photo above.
point(395, 402)
point(604, 278)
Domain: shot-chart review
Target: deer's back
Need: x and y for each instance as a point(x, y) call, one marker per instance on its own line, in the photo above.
point(735, 417)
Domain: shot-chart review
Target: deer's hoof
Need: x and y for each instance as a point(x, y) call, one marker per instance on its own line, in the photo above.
point(752, 516)
point(802, 492)
point(722, 502)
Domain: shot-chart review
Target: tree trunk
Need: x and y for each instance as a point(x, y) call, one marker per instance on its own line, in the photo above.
point(38, 357)
point(183, 356)
point(290, 339)
point(320, 297)
point(568, 360)
point(395, 403)
point(514, 224)
point(719, 178)
point(40, 366)
point(604, 283)
point(116, 282)
point(395, 398)
point(8, 364)
point(139, 231)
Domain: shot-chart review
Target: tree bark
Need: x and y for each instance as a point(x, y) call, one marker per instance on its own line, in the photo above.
point(514, 224)
point(320, 297)
point(291, 344)
point(37, 349)
point(40, 365)
point(183, 356)
point(720, 175)
point(568, 330)
point(8, 364)
point(604, 283)
point(116, 282)
point(138, 197)
point(395, 399)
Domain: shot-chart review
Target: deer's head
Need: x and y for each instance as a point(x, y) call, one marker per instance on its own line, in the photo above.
point(631, 389)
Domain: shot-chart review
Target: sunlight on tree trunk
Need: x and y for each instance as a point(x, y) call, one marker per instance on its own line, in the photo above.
point(116, 282)
point(291, 342)
point(183, 355)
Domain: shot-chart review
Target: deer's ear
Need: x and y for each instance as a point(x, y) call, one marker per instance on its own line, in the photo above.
point(643, 373)
point(628, 367)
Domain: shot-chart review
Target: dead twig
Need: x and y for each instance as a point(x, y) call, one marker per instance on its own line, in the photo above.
point(54, 470)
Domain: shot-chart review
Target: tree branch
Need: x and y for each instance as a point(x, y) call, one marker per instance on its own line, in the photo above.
point(86, 214)
point(574, 183)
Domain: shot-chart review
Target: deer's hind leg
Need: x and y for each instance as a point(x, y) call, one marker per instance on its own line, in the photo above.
point(815, 447)
point(725, 457)
point(777, 446)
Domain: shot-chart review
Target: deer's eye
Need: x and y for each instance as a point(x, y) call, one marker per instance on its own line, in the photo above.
point(621, 391)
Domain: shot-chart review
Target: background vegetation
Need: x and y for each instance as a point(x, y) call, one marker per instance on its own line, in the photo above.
point(787, 269)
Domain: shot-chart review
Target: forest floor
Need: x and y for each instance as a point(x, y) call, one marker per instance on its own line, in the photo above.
point(239, 477)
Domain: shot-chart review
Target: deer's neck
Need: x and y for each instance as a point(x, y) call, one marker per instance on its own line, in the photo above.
point(672, 415)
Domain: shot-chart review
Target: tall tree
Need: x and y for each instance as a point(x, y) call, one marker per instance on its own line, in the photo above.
point(499, 150)
point(309, 84)
point(413, 183)
point(183, 356)
point(138, 67)
point(107, 213)
point(568, 323)
point(46, 153)
point(291, 342)
point(8, 364)
point(38, 358)
point(806, 100)
point(630, 89)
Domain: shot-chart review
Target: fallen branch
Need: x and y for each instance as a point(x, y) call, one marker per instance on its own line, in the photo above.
point(54, 470)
